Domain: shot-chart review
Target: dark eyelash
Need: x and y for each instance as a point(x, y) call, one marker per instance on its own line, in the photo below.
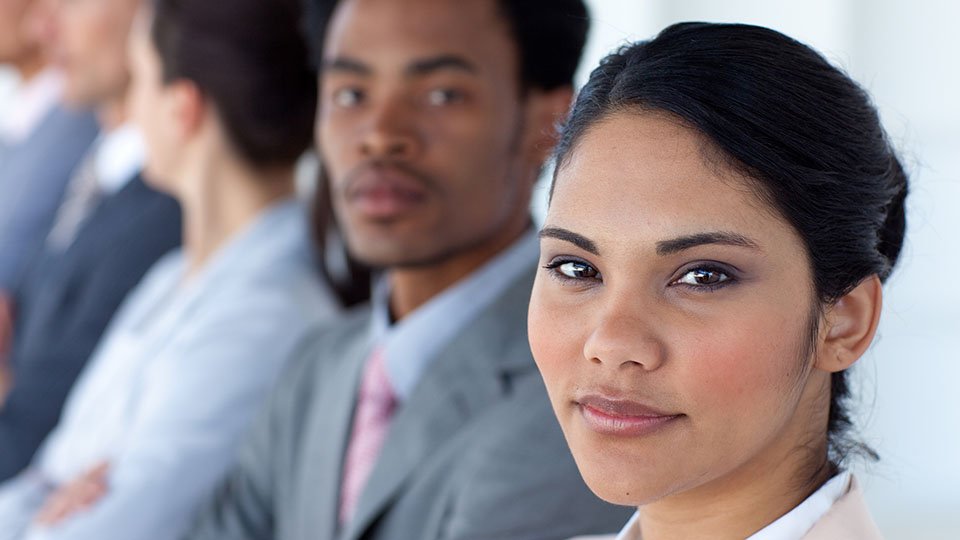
point(553, 265)
point(709, 267)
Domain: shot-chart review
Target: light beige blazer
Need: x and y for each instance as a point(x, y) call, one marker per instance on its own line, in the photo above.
point(848, 519)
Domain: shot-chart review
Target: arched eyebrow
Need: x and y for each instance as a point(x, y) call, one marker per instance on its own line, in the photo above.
point(664, 247)
point(676, 245)
point(578, 240)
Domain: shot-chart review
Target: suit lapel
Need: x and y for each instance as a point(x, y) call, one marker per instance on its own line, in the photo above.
point(470, 373)
point(328, 432)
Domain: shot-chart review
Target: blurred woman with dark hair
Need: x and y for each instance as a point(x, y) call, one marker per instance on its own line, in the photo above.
point(225, 97)
point(724, 210)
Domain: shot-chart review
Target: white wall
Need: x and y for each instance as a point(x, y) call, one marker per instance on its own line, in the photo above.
point(905, 54)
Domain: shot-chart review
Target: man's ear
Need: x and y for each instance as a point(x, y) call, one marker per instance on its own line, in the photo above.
point(545, 110)
point(850, 325)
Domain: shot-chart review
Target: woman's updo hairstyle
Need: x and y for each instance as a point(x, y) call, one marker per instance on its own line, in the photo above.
point(250, 59)
point(808, 137)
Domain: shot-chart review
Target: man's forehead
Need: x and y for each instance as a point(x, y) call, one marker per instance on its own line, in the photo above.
point(407, 33)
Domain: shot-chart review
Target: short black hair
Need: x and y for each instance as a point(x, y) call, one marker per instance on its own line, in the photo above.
point(250, 59)
point(807, 135)
point(550, 36)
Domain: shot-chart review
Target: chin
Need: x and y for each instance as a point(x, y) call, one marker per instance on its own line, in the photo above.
point(612, 483)
point(390, 251)
point(619, 475)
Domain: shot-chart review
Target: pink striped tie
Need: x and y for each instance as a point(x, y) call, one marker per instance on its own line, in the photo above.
point(375, 405)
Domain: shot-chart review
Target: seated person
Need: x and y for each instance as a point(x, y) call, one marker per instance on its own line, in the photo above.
point(41, 142)
point(155, 419)
point(725, 207)
point(422, 416)
point(106, 232)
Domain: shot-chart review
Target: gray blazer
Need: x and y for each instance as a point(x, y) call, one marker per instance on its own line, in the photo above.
point(474, 453)
point(33, 177)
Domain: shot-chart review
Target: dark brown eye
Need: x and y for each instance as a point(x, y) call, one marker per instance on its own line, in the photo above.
point(572, 270)
point(703, 277)
point(577, 270)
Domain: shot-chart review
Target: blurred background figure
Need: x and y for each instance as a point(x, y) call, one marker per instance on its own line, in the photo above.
point(108, 230)
point(41, 143)
point(225, 97)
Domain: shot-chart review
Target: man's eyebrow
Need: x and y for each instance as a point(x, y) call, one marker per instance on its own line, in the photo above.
point(675, 245)
point(427, 66)
point(578, 240)
point(345, 65)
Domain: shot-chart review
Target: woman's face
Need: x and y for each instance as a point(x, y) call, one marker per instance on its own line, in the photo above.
point(671, 317)
point(151, 106)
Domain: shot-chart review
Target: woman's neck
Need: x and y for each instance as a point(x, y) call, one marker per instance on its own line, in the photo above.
point(220, 196)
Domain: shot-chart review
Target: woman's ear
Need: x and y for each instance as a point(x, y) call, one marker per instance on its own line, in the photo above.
point(850, 325)
point(188, 107)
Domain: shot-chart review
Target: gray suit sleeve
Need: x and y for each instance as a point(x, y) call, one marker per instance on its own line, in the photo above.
point(243, 506)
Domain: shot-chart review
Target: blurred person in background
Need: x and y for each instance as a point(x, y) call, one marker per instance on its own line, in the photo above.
point(108, 230)
point(41, 142)
point(421, 415)
point(225, 97)
point(725, 207)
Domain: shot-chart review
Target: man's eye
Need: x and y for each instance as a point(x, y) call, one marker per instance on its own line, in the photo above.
point(703, 277)
point(347, 97)
point(573, 270)
point(444, 96)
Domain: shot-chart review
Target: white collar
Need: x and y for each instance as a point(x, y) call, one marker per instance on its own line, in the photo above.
point(795, 523)
point(120, 155)
point(30, 104)
point(792, 525)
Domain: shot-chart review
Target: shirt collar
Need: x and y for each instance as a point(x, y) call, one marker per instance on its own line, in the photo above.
point(410, 345)
point(31, 103)
point(120, 155)
point(792, 525)
point(796, 523)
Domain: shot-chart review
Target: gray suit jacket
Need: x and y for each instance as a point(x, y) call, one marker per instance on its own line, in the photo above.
point(474, 453)
point(33, 176)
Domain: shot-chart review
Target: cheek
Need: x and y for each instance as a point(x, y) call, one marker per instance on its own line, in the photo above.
point(555, 338)
point(742, 370)
point(333, 141)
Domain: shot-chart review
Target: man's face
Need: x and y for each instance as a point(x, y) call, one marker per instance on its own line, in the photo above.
point(423, 129)
point(88, 42)
point(14, 40)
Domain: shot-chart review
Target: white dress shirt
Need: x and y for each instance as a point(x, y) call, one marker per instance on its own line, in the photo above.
point(29, 105)
point(120, 154)
point(175, 382)
point(792, 525)
point(411, 344)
